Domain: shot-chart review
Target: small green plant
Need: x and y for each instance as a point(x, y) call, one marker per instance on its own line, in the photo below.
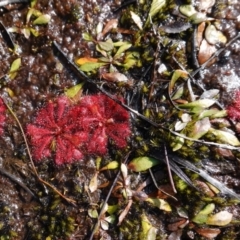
point(29, 27)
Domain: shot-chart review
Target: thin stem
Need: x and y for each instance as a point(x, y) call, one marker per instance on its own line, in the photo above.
point(169, 170)
point(31, 160)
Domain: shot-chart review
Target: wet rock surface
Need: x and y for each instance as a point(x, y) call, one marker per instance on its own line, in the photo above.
point(41, 213)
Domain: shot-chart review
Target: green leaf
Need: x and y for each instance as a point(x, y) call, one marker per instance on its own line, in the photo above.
point(87, 37)
point(142, 163)
point(33, 3)
point(199, 17)
point(213, 113)
point(88, 67)
point(111, 165)
point(92, 213)
point(225, 137)
point(73, 91)
point(200, 128)
point(187, 10)
point(15, 65)
point(178, 94)
point(220, 219)
point(176, 75)
point(202, 216)
point(43, 19)
point(34, 32)
point(122, 49)
point(36, 13)
point(29, 14)
point(112, 209)
point(160, 203)
point(104, 60)
point(110, 219)
point(130, 63)
point(177, 143)
point(155, 7)
point(106, 46)
point(119, 43)
point(148, 231)
point(201, 104)
point(152, 234)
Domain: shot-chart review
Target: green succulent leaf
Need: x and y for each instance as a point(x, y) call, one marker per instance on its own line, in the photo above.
point(43, 19)
point(110, 219)
point(202, 216)
point(141, 164)
point(15, 65)
point(33, 3)
point(177, 143)
point(187, 10)
point(112, 209)
point(90, 66)
point(92, 213)
point(199, 17)
point(122, 49)
point(87, 37)
point(212, 113)
point(14, 68)
point(106, 46)
point(225, 137)
point(176, 75)
point(222, 218)
point(155, 8)
point(198, 104)
point(160, 203)
point(200, 128)
point(110, 165)
point(148, 231)
point(34, 32)
point(73, 91)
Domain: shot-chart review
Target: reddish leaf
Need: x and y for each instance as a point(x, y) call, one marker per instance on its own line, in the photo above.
point(55, 133)
point(209, 233)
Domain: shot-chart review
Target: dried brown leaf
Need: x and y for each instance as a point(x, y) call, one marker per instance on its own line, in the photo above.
point(108, 27)
point(200, 31)
point(205, 52)
point(115, 77)
point(209, 233)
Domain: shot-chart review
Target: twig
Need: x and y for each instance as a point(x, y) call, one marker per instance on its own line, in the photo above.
point(156, 185)
point(169, 170)
point(16, 180)
point(6, 2)
point(31, 160)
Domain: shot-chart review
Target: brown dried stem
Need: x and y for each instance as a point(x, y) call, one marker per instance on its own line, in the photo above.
point(31, 160)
